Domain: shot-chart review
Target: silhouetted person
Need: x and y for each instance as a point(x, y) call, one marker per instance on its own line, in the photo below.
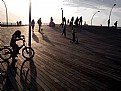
point(51, 24)
point(17, 23)
point(15, 37)
point(68, 22)
point(76, 22)
point(39, 24)
point(33, 24)
point(85, 23)
point(51, 19)
point(108, 22)
point(74, 36)
point(20, 23)
point(115, 24)
point(64, 28)
point(71, 22)
point(80, 21)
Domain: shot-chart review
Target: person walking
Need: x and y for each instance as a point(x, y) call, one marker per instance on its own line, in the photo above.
point(76, 22)
point(64, 28)
point(39, 24)
point(68, 22)
point(80, 21)
point(33, 24)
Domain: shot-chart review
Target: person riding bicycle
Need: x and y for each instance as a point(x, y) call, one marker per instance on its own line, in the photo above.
point(15, 37)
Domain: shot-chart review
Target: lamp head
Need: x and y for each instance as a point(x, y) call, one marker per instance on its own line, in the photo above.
point(98, 11)
point(114, 5)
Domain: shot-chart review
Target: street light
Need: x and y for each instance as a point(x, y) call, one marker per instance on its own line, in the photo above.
point(93, 16)
point(6, 12)
point(62, 16)
point(29, 41)
point(110, 15)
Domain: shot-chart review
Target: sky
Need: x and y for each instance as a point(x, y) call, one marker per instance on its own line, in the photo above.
point(19, 10)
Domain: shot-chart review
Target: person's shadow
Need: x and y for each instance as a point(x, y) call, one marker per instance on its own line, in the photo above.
point(45, 38)
point(10, 82)
point(28, 75)
point(36, 39)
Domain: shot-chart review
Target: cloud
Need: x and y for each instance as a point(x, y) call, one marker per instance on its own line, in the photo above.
point(91, 6)
point(95, 4)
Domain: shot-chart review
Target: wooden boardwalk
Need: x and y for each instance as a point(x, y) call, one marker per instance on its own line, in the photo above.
point(60, 65)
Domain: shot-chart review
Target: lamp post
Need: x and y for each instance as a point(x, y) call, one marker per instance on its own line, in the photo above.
point(110, 15)
point(29, 40)
point(93, 16)
point(62, 16)
point(6, 13)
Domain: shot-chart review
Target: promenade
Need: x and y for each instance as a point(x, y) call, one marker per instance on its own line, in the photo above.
point(60, 65)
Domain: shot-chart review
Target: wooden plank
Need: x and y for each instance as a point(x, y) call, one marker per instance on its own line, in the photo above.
point(94, 64)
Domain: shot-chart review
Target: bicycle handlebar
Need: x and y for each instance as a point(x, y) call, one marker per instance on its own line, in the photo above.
point(22, 36)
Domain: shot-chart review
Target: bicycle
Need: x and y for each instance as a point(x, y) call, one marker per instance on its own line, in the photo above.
point(27, 52)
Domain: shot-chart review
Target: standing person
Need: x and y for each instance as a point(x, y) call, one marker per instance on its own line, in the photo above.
point(115, 24)
point(80, 21)
point(76, 22)
point(15, 37)
point(71, 22)
point(39, 24)
point(64, 28)
point(68, 21)
point(33, 24)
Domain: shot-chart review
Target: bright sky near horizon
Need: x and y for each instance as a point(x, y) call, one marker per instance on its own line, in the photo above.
point(19, 10)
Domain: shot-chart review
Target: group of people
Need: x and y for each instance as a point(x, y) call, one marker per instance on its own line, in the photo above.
point(39, 24)
point(78, 22)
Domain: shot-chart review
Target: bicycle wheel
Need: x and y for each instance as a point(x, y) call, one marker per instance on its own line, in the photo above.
point(28, 52)
point(6, 53)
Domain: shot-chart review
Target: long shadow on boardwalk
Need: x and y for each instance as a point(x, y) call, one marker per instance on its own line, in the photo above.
point(28, 75)
point(35, 38)
point(59, 29)
point(45, 38)
point(10, 83)
point(111, 35)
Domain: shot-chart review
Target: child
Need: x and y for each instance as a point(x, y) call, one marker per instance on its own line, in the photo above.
point(15, 37)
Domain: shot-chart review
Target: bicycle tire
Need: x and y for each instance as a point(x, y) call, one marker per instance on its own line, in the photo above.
point(28, 52)
point(6, 53)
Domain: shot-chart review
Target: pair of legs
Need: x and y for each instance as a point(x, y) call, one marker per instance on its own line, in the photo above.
point(33, 28)
point(39, 28)
point(64, 31)
point(15, 52)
